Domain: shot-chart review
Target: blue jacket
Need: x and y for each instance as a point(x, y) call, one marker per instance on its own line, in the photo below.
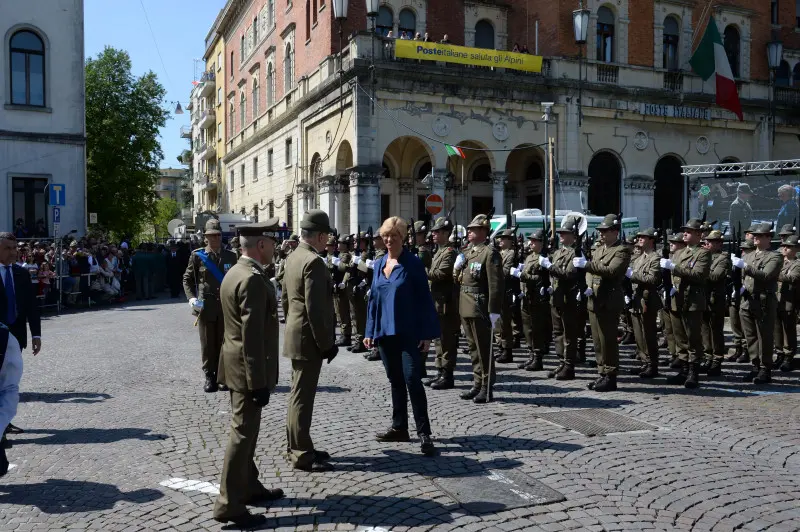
point(401, 305)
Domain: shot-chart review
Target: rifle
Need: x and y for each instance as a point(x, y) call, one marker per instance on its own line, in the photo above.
point(736, 274)
point(370, 244)
point(412, 237)
point(666, 275)
point(546, 240)
point(581, 284)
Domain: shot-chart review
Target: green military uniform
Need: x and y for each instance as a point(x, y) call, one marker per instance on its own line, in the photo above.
point(481, 297)
point(741, 214)
point(424, 252)
point(690, 267)
point(759, 306)
point(339, 265)
point(535, 311)
point(645, 276)
point(604, 276)
point(358, 285)
point(445, 298)
point(511, 283)
point(308, 339)
point(628, 336)
point(787, 295)
point(280, 270)
point(667, 316)
point(249, 368)
point(199, 282)
point(714, 315)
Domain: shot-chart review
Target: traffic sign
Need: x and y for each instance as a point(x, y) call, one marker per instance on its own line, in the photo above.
point(434, 204)
point(58, 194)
point(92, 217)
point(56, 215)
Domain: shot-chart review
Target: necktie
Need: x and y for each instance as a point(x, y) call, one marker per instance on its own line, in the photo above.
point(11, 300)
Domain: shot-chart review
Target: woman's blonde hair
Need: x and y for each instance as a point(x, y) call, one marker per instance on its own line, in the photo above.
point(394, 224)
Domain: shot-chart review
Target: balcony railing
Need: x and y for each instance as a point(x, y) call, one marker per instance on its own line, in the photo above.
point(186, 132)
point(200, 147)
point(787, 95)
point(673, 81)
point(207, 119)
point(207, 83)
point(209, 151)
point(607, 73)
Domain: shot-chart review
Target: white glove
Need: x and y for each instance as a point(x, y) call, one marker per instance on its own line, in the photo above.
point(733, 293)
point(737, 262)
point(544, 262)
point(336, 261)
point(742, 290)
point(272, 279)
point(493, 318)
point(627, 300)
point(672, 291)
point(542, 291)
point(516, 272)
point(460, 260)
point(341, 286)
point(357, 260)
point(520, 266)
point(589, 292)
point(196, 303)
point(629, 273)
point(667, 264)
point(369, 263)
point(369, 292)
point(579, 262)
point(549, 289)
point(362, 284)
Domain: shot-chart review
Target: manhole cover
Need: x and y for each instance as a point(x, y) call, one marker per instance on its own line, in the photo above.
point(595, 421)
point(495, 491)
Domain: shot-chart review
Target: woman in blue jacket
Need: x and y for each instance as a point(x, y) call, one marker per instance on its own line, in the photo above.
point(402, 321)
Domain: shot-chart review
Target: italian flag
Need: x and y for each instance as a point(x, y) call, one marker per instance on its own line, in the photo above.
point(455, 150)
point(708, 60)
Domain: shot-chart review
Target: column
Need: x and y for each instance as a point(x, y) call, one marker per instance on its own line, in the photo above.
point(340, 201)
point(436, 181)
point(327, 194)
point(637, 199)
point(405, 188)
point(462, 212)
point(365, 204)
point(305, 191)
point(571, 187)
point(499, 191)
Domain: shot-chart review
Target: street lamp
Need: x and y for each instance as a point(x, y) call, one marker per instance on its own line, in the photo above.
point(774, 57)
point(372, 12)
point(340, 14)
point(580, 24)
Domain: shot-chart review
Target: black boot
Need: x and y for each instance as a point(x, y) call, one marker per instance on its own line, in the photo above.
point(743, 358)
point(3, 462)
point(522, 365)
point(343, 341)
point(537, 364)
point(627, 339)
point(704, 367)
point(680, 377)
point(471, 393)
point(506, 358)
point(358, 347)
point(567, 373)
point(734, 353)
point(211, 383)
point(484, 396)
point(650, 371)
point(675, 363)
point(764, 376)
point(692, 377)
point(786, 366)
point(374, 355)
point(752, 374)
point(430, 381)
point(445, 382)
point(715, 369)
point(778, 360)
point(638, 368)
point(552, 372)
point(608, 383)
point(595, 382)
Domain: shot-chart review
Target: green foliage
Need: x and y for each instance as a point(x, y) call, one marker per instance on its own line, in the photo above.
point(166, 209)
point(123, 116)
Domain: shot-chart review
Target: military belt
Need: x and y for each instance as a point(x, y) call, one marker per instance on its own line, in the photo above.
point(472, 290)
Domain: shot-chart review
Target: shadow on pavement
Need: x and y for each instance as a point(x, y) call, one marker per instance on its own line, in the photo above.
point(65, 397)
point(66, 496)
point(563, 402)
point(81, 436)
point(320, 389)
point(441, 465)
point(490, 443)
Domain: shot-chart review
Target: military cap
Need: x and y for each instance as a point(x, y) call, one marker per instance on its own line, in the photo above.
point(761, 229)
point(213, 227)
point(537, 234)
point(748, 244)
point(692, 225)
point(791, 241)
point(344, 239)
point(714, 236)
point(270, 228)
point(235, 242)
point(363, 235)
point(316, 220)
point(610, 221)
point(294, 238)
point(480, 222)
point(568, 225)
point(650, 232)
point(419, 227)
point(74, 244)
point(787, 230)
point(630, 240)
point(507, 233)
point(676, 238)
point(331, 241)
point(442, 224)
point(744, 188)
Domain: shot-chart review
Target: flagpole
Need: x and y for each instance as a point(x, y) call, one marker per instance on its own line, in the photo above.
point(706, 9)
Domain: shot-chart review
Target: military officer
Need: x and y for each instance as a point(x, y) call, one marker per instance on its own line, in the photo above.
point(758, 309)
point(308, 338)
point(535, 302)
point(645, 276)
point(511, 284)
point(787, 230)
point(339, 266)
point(380, 250)
point(689, 268)
point(741, 214)
point(249, 368)
point(714, 315)
point(565, 302)
point(604, 276)
point(424, 252)
point(445, 299)
point(201, 281)
point(480, 304)
point(357, 292)
point(788, 292)
point(628, 336)
point(676, 244)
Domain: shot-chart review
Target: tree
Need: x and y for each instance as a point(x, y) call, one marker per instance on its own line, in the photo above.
point(123, 117)
point(166, 209)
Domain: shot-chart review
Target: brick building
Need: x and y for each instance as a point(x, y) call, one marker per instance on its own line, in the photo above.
point(627, 110)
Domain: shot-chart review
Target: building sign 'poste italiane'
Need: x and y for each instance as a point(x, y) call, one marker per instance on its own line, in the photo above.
point(675, 111)
point(448, 53)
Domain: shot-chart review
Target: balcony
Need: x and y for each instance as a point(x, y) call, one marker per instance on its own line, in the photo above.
point(186, 132)
point(207, 83)
point(200, 147)
point(673, 81)
point(607, 73)
point(787, 95)
point(208, 118)
point(207, 183)
point(209, 151)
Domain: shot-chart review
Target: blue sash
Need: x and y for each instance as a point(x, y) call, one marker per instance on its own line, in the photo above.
point(210, 266)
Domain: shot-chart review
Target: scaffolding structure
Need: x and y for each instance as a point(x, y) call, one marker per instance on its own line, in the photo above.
point(741, 169)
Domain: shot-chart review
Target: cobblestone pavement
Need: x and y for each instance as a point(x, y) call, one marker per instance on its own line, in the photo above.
point(119, 436)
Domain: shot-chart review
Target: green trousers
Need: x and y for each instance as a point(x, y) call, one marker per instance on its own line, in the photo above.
point(300, 410)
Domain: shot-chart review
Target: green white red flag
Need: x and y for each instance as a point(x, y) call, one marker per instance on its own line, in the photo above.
point(710, 59)
point(455, 150)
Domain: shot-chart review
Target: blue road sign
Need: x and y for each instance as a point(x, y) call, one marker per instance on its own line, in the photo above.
point(56, 215)
point(58, 194)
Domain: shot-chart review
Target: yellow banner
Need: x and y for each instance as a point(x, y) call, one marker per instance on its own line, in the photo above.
point(448, 53)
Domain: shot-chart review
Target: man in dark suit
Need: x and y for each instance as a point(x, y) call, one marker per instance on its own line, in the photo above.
point(176, 265)
point(17, 308)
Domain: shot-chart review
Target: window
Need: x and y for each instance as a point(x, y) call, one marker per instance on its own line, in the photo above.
point(270, 85)
point(308, 20)
point(288, 64)
point(773, 11)
point(605, 35)
point(30, 205)
point(231, 64)
point(219, 61)
point(796, 76)
point(271, 208)
point(797, 13)
point(314, 12)
point(269, 164)
point(782, 75)
point(231, 180)
point(255, 98)
point(242, 110)
point(219, 132)
point(241, 50)
point(241, 176)
point(232, 119)
point(484, 35)
point(288, 152)
point(289, 211)
point(27, 69)
point(219, 96)
point(671, 41)
point(255, 31)
point(408, 23)
point(731, 44)
point(271, 12)
point(385, 21)
point(255, 169)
